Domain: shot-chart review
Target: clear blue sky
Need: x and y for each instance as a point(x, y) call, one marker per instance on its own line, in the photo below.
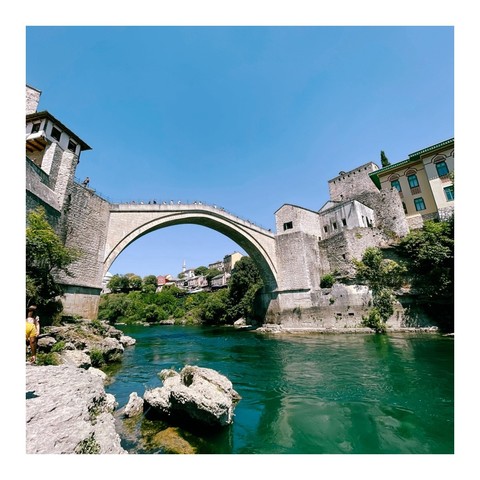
point(248, 118)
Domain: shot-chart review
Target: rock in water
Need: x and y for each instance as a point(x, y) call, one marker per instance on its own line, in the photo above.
point(68, 411)
point(134, 406)
point(202, 394)
point(170, 441)
point(127, 341)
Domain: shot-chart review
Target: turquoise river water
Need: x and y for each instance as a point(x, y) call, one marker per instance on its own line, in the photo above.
point(302, 394)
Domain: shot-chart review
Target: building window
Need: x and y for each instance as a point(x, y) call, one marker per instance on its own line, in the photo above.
point(404, 208)
point(56, 133)
point(396, 184)
point(72, 146)
point(419, 204)
point(287, 226)
point(36, 127)
point(412, 181)
point(334, 225)
point(344, 222)
point(442, 168)
point(325, 228)
point(449, 193)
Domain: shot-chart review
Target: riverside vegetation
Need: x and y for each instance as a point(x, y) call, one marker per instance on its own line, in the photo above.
point(139, 303)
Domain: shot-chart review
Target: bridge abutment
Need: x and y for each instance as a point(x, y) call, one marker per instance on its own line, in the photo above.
point(81, 301)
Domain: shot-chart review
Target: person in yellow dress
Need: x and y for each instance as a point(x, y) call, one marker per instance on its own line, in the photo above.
point(32, 331)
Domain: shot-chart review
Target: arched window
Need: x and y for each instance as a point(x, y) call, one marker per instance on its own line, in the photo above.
point(441, 166)
point(394, 182)
point(412, 180)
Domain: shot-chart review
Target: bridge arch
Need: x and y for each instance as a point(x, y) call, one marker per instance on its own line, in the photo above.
point(128, 222)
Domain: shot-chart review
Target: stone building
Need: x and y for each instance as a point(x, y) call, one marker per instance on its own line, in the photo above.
point(218, 265)
point(220, 281)
point(230, 260)
point(53, 152)
point(52, 155)
point(357, 215)
point(197, 282)
point(336, 217)
point(423, 182)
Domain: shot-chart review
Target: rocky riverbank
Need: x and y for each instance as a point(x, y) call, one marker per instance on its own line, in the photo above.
point(68, 411)
point(67, 408)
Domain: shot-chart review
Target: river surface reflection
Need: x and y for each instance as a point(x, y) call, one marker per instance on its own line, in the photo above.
point(303, 394)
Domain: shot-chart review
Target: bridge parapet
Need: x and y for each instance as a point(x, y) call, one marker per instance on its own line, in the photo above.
point(187, 207)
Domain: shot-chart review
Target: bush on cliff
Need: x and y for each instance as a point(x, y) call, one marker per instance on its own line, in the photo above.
point(429, 256)
point(327, 281)
point(383, 276)
point(429, 253)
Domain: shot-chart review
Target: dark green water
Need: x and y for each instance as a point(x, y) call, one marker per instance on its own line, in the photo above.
point(304, 394)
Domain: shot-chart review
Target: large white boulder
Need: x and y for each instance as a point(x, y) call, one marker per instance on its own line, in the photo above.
point(201, 394)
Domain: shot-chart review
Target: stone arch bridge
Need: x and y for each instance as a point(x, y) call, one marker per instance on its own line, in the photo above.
point(290, 260)
point(102, 230)
point(128, 222)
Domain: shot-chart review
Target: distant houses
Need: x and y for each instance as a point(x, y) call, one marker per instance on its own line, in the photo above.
point(192, 283)
point(219, 281)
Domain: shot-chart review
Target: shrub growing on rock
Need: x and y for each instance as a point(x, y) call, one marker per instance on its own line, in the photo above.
point(327, 281)
point(97, 358)
point(382, 276)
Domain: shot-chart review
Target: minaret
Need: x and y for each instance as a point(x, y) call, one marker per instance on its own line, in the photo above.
point(184, 268)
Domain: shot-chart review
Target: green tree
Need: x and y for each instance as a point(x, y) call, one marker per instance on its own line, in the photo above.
point(223, 306)
point(384, 159)
point(135, 282)
point(149, 284)
point(201, 270)
point(167, 300)
point(113, 307)
point(383, 276)
point(378, 272)
point(174, 290)
point(119, 284)
point(429, 252)
point(152, 313)
point(215, 308)
point(46, 257)
point(212, 272)
point(244, 284)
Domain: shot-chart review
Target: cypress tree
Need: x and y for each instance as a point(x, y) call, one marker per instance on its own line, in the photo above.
point(384, 159)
